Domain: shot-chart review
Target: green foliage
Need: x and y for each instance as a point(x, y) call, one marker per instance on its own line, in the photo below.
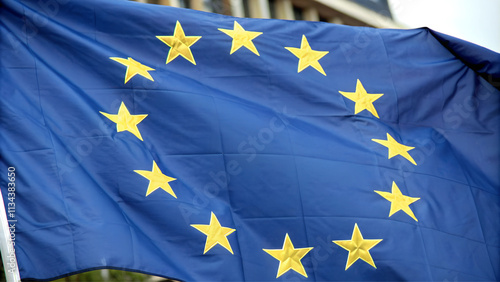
point(105, 275)
point(110, 275)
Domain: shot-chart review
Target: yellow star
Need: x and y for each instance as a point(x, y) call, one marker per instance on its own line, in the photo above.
point(307, 56)
point(289, 257)
point(157, 180)
point(358, 247)
point(133, 68)
point(179, 44)
point(216, 234)
point(241, 38)
point(395, 148)
point(398, 201)
point(125, 121)
point(363, 100)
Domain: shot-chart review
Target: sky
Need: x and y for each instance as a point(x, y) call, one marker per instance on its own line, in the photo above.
point(477, 21)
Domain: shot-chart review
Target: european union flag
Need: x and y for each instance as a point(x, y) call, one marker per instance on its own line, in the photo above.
point(209, 148)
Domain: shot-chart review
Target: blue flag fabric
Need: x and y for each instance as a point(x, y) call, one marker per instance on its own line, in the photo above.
point(209, 148)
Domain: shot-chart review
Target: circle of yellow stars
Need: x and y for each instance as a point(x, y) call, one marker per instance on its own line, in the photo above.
point(288, 256)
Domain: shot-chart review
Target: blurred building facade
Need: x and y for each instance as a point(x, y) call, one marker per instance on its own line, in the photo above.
point(372, 13)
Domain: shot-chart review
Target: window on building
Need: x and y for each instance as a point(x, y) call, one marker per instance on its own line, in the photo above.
point(217, 6)
point(214, 6)
point(184, 3)
point(246, 8)
point(272, 9)
point(298, 13)
point(323, 19)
